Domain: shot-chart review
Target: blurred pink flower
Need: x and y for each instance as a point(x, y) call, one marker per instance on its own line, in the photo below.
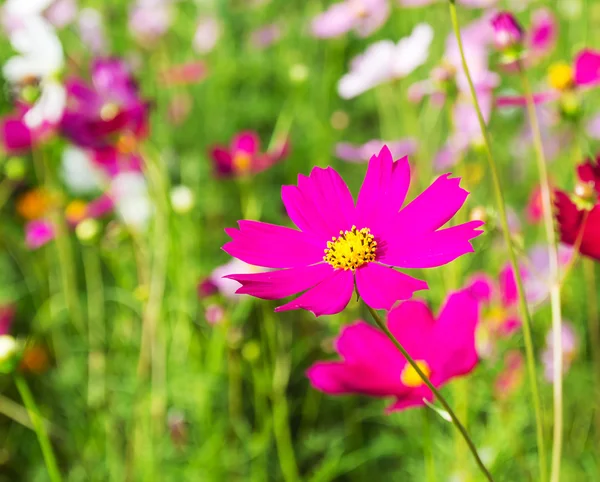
point(265, 36)
point(542, 34)
point(214, 314)
point(150, 19)
point(342, 246)
point(384, 61)
point(226, 286)
point(38, 233)
point(7, 314)
point(587, 68)
point(244, 157)
point(362, 153)
point(508, 33)
point(62, 12)
point(91, 31)
point(207, 35)
point(511, 378)
point(183, 74)
point(570, 345)
point(442, 346)
point(17, 137)
point(465, 3)
point(363, 16)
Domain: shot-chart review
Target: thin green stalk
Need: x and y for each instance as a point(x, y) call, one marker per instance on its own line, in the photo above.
point(40, 428)
point(555, 302)
point(427, 446)
point(511, 252)
point(434, 390)
point(589, 273)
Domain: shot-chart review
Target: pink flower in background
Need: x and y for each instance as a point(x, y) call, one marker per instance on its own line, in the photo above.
point(266, 36)
point(537, 288)
point(150, 19)
point(362, 153)
point(228, 287)
point(62, 12)
point(183, 74)
point(385, 61)
point(508, 33)
point(465, 3)
point(442, 346)
point(7, 314)
point(587, 68)
point(341, 244)
point(570, 345)
point(17, 137)
point(542, 34)
point(214, 314)
point(511, 377)
point(38, 233)
point(244, 156)
point(92, 34)
point(207, 35)
point(535, 209)
point(363, 16)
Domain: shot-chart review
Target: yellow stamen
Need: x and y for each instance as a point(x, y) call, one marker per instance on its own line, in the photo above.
point(242, 161)
point(411, 378)
point(109, 111)
point(560, 76)
point(351, 249)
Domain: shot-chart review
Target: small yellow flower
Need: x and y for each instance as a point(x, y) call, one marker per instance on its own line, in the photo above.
point(33, 204)
point(560, 76)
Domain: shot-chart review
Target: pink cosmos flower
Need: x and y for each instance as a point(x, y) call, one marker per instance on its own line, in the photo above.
point(244, 157)
point(353, 153)
point(570, 344)
point(508, 32)
point(442, 346)
point(340, 244)
point(150, 19)
point(385, 61)
point(265, 36)
point(17, 137)
point(38, 233)
point(207, 35)
point(364, 16)
point(91, 29)
point(228, 287)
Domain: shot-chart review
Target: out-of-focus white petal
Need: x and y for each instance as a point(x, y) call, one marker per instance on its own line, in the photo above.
point(130, 194)
point(78, 171)
point(412, 51)
point(49, 107)
point(25, 8)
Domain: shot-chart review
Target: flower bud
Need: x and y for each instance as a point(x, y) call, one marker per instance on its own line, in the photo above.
point(508, 34)
point(182, 199)
point(214, 314)
point(87, 230)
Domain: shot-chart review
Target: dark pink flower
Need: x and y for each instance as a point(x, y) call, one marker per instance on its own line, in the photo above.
point(341, 244)
point(7, 313)
point(587, 68)
point(443, 347)
point(17, 137)
point(244, 157)
point(542, 34)
point(38, 233)
point(364, 16)
point(106, 112)
point(507, 31)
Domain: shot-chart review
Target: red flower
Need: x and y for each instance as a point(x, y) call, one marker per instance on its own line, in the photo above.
point(579, 215)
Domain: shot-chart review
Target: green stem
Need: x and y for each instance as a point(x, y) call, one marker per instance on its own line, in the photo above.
point(434, 390)
point(39, 427)
point(511, 252)
point(589, 273)
point(555, 301)
point(427, 446)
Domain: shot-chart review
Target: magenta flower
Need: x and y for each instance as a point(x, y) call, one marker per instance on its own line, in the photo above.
point(244, 157)
point(7, 313)
point(443, 348)
point(587, 68)
point(109, 111)
point(364, 16)
point(507, 31)
point(341, 245)
point(353, 153)
point(38, 233)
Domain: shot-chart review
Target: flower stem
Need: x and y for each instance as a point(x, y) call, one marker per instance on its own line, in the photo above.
point(511, 252)
point(427, 446)
point(555, 302)
point(435, 391)
point(589, 273)
point(39, 427)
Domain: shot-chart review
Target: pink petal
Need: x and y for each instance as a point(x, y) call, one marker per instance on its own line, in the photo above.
point(38, 233)
point(544, 31)
point(380, 287)
point(321, 204)
point(434, 207)
point(358, 341)
point(482, 287)
point(271, 246)
point(412, 323)
point(508, 286)
point(454, 351)
point(247, 142)
point(430, 250)
point(335, 21)
point(383, 191)
point(414, 398)
point(329, 297)
point(587, 67)
point(521, 101)
point(273, 285)
point(222, 160)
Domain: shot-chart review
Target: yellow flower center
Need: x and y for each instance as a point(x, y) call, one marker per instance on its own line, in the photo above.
point(33, 204)
point(351, 249)
point(560, 76)
point(242, 161)
point(109, 111)
point(76, 210)
point(411, 378)
point(126, 144)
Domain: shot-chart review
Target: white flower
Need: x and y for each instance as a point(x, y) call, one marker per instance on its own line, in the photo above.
point(41, 57)
point(78, 171)
point(385, 60)
point(182, 199)
point(8, 347)
point(132, 201)
point(25, 8)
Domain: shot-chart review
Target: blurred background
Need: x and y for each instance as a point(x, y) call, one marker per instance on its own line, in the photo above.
point(159, 123)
